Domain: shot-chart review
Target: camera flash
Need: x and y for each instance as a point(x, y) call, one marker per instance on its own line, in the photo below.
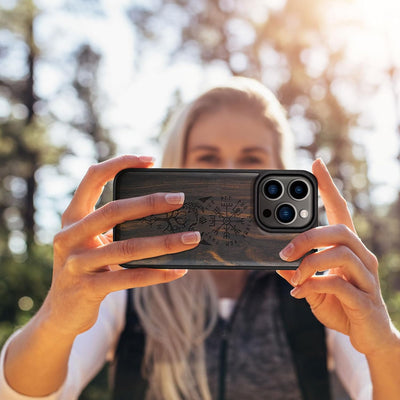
point(303, 213)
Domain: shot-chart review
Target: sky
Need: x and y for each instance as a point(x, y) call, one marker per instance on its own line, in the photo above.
point(138, 98)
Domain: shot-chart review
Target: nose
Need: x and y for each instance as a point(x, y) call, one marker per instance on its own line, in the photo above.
point(228, 164)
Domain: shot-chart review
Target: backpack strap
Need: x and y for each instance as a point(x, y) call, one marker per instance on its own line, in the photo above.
point(128, 380)
point(306, 337)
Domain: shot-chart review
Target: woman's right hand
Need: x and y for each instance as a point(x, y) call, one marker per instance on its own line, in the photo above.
point(86, 261)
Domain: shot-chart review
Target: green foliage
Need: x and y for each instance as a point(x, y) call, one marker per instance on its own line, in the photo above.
point(24, 282)
point(26, 147)
point(277, 45)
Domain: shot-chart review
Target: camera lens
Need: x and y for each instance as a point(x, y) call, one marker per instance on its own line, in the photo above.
point(298, 190)
point(285, 213)
point(273, 189)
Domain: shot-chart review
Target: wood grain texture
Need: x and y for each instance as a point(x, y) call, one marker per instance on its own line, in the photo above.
point(218, 203)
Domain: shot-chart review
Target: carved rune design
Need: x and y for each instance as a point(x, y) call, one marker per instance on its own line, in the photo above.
point(224, 220)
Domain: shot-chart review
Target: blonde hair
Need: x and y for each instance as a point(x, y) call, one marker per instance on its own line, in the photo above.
point(178, 316)
point(243, 94)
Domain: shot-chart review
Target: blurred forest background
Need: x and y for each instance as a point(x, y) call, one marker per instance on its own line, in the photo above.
point(322, 60)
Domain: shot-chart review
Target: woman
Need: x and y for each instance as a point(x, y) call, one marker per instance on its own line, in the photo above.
point(239, 126)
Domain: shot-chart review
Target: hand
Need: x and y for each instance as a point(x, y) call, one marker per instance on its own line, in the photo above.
point(347, 298)
point(86, 261)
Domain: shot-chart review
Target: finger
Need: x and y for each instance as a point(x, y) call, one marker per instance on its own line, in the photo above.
point(327, 236)
point(91, 186)
point(286, 274)
point(124, 251)
point(338, 257)
point(345, 292)
point(118, 211)
point(123, 279)
point(335, 205)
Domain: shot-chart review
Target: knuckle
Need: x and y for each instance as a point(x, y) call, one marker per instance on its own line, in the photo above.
point(374, 260)
point(307, 235)
point(72, 264)
point(127, 248)
point(345, 253)
point(110, 210)
point(343, 230)
point(137, 277)
point(59, 240)
point(92, 170)
point(151, 202)
point(168, 244)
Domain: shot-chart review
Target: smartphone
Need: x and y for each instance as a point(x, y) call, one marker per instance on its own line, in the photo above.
point(245, 217)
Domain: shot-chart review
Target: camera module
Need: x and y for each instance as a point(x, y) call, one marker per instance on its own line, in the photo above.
point(298, 189)
point(273, 189)
point(285, 213)
point(286, 201)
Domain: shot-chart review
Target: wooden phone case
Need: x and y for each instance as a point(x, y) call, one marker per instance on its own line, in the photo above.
point(221, 204)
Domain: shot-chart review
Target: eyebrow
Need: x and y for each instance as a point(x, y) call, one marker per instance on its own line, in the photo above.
point(253, 149)
point(204, 147)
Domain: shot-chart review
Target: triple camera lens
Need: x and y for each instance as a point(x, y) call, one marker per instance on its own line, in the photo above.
point(298, 190)
point(286, 200)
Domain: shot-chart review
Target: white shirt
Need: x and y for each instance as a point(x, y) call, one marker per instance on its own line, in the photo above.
point(94, 347)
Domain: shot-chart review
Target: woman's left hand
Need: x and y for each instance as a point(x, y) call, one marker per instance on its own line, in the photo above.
point(348, 297)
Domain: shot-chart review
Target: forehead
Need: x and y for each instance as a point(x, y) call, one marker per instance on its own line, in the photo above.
point(230, 127)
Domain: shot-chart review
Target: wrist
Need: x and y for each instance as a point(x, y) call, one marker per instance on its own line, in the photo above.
point(48, 323)
point(390, 348)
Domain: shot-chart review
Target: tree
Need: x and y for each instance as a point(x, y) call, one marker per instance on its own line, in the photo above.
point(27, 121)
point(294, 48)
point(287, 47)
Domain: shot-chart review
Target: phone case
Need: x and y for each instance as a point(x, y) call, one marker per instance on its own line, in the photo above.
point(221, 204)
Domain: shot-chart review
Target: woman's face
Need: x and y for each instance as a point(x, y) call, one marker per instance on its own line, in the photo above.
point(230, 139)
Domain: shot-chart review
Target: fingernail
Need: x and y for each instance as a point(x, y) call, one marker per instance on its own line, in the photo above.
point(295, 291)
point(286, 252)
point(180, 272)
point(296, 278)
point(175, 198)
point(191, 237)
point(147, 159)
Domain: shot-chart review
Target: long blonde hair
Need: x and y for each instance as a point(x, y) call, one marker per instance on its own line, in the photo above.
point(178, 316)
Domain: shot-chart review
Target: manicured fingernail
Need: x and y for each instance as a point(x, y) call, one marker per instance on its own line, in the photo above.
point(147, 159)
point(175, 198)
point(180, 272)
point(296, 278)
point(191, 237)
point(295, 291)
point(287, 251)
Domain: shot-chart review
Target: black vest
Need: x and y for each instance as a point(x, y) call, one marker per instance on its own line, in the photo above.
point(305, 336)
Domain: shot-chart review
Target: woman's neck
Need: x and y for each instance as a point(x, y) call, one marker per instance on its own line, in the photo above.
point(229, 283)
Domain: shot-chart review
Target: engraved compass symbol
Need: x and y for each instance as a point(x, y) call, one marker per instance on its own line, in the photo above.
point(229, 224)
point(186, 218)
point(222, 221)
